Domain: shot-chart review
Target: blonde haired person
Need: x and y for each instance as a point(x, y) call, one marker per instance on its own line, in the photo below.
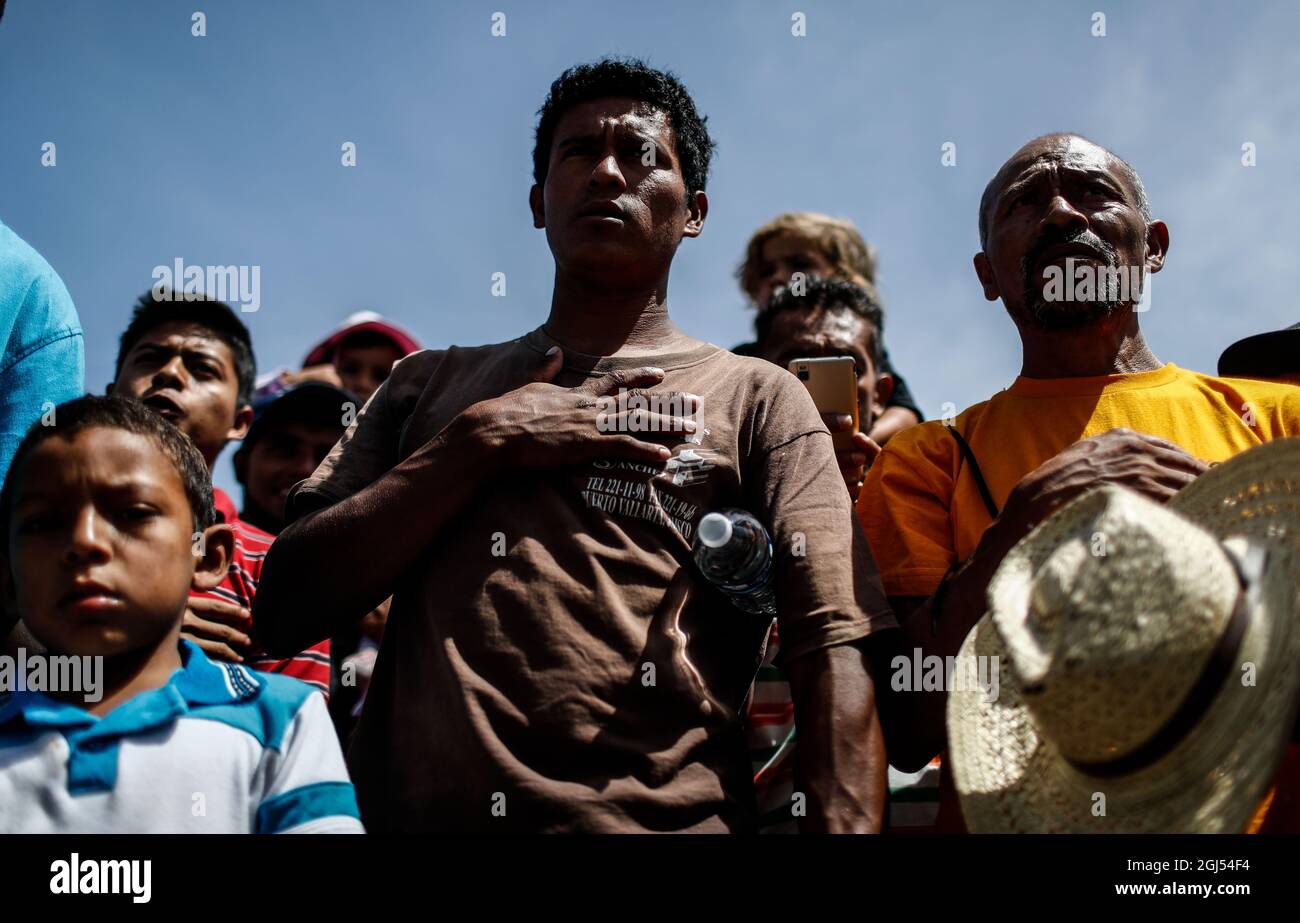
point(824, 318)
point(832, 248)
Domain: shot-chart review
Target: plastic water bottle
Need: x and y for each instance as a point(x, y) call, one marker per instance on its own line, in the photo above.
point(734, 552)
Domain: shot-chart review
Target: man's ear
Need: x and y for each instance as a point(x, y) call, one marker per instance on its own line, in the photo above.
point(213, 552)
point(1157, 245)
point(108, 390)
point(984, 269)
point(698, 206)
point(884, 391)
point(537, 202)
point(243, 420)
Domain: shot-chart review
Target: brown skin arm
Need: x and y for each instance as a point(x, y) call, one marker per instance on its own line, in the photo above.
point(892, 422)
point(840, 762)
point(330, 568)
point(1153, 467)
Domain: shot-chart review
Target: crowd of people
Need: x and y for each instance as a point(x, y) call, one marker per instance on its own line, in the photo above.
point(446, 567)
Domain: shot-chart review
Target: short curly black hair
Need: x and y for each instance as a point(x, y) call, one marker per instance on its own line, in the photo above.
point(155, 308)
point(72, 417)
point(828, 295)
point(635, 79)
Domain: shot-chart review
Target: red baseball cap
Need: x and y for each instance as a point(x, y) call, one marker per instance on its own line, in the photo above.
point(361, 322)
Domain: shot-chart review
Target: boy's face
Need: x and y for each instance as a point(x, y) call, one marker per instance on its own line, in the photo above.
point(101, 544)
point(614, 202)
point(362, 369)
point(187, 374)
point(284, 455)
point(782, 256)
point(823, 334)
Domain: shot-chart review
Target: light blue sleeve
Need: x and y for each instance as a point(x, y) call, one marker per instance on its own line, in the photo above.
point(48, 376)
point(43, 362)
point(305, 785)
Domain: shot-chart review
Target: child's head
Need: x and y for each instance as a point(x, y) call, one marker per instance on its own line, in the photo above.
point(364, 361)
point(362, 350)
point(816, 245)
point(106, 524)
point(192, 362)
point(830, 319)
point(292, 432)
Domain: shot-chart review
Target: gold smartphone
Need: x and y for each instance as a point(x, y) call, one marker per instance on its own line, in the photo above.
point(833, 384)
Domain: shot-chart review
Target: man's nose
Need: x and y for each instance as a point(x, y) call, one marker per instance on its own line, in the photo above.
point(88, 542)
point(1061, 214)
point(607, 172)
point(171, 373)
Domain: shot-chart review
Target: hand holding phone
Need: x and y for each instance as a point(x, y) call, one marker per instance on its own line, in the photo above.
point(833, 384)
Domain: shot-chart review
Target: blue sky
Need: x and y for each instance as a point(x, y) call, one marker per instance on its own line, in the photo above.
point(226, 150)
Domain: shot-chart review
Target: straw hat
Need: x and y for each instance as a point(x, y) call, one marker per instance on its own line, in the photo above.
point(1149, 660)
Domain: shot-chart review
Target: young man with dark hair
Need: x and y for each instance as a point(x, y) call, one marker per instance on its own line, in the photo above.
point(823, 318)
point(98, 556)
point(291, 433)
point(553, 662)
point(826, 318)
point(191, 361)
point(819, 246)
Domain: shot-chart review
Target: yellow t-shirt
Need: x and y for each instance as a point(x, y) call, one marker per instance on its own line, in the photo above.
point(922, 510)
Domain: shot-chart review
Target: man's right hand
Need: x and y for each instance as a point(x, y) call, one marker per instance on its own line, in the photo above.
point(542, 424)
point(1154, 467)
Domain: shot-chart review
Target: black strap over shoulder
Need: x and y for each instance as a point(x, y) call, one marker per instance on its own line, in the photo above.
point(936, 602)
point(975, 471)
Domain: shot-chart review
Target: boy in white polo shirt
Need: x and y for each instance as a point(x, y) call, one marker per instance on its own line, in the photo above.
point(106, 523)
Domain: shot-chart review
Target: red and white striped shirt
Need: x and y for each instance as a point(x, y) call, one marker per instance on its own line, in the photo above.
point(240, 587)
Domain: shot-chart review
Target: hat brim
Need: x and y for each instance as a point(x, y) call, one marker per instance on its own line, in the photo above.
point(1264, 355)
point(324, 351)
point(1009, 779)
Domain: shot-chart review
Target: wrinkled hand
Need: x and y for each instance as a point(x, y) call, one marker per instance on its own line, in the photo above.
point(542, 425)
point(1153, 467)
point(219, 628)
point(855, 459)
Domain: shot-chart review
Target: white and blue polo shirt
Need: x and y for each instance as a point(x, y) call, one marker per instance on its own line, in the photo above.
point(219, 749)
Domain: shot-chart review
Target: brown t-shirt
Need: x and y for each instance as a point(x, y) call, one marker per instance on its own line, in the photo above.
point(554, 661)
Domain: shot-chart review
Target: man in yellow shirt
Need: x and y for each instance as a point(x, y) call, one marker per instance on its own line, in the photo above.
point(1067, 239)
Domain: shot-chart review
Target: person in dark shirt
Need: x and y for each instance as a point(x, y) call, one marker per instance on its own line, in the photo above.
point(553, 661)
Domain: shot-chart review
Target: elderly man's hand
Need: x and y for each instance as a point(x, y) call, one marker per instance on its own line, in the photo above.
point(1153, 467)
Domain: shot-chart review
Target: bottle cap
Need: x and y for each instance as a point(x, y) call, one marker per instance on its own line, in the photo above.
point(714, 530)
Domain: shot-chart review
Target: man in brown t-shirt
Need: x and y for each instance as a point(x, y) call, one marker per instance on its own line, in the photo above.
point(553, 661)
